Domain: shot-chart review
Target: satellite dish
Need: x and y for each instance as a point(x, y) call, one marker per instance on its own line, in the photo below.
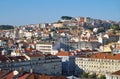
point(15, 72)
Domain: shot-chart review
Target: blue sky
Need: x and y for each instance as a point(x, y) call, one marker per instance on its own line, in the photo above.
point(22, 12)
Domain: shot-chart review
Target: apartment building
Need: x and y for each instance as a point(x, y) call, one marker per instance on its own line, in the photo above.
point(99, 63)
point(114, 75)
point(68, 62)
point(13, 63)
point(45, 64)
point(32, 62)
point(46, 48)
point(26, 75)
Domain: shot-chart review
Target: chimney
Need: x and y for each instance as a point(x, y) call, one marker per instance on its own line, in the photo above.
point(104, 56)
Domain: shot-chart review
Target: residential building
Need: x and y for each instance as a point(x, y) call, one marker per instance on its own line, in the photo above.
point(113, 37)
point(43, 25)
point(114, 75)
point(32, 62)
point(80, 21)
point(13, 63)
point(65, 42)
point(99, 63)
point(46, 48)
point(27, 75)
point(68, 62)
point(57, 25)
point(28, 34)
point(44, 64)
point(3, 41)
point(87, 19)
point(116, 49)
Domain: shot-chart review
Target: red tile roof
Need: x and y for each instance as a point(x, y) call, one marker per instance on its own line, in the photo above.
point(51, 77)
point(17, 58)
point(62, 31)
point(116, 73)
point(106, 56)
point(2, 73)
point(4, 38)
point(63, 53)
point(3, 58)
point(102, 56)
point(118, 47)
point(24, 76)
point(35, 55)
point(9, 75)
point(87, 50)
point(111, 34)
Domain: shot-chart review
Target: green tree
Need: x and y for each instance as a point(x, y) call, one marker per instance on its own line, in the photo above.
point(66, 17)
point(74, 27)
point(6, 27)
point(101, 29)
point(115, 28)
point(102, 77)
point(24, 37)
point(85, 75)
point(93, 76)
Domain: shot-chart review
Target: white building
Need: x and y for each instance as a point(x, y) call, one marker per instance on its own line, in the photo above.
point(46, 48)
point(43, 25)
point(99, 63)
point(28, 34)
point(114, 75)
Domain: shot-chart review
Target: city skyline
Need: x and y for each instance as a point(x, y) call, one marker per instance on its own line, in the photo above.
point(36, 11)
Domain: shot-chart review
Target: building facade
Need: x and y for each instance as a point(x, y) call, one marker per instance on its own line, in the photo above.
point(46, 48)
point(43, 64)
point(114, 75)
point(99, 63)
point(68, 62)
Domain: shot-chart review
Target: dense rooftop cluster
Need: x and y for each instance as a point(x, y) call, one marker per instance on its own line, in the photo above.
point(67, 47)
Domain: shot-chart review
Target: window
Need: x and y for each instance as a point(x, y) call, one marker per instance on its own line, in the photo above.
point(116, 77)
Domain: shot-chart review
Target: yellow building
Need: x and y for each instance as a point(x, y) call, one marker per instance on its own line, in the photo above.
point(58, 25)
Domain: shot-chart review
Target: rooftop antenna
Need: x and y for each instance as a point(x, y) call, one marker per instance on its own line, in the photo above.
point(79, 43)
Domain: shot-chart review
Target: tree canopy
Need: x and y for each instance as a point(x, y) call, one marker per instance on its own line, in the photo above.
point(115, 27)
point(93, 76)
point(85, 75)
point(66, 17)
point(102, 77)
point(6, 27)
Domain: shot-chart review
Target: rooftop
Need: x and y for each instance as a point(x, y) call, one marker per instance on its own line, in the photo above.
point(63, 53)
point(27, 75)
point(116, 73)
point(104, 56)
point(35, 55)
